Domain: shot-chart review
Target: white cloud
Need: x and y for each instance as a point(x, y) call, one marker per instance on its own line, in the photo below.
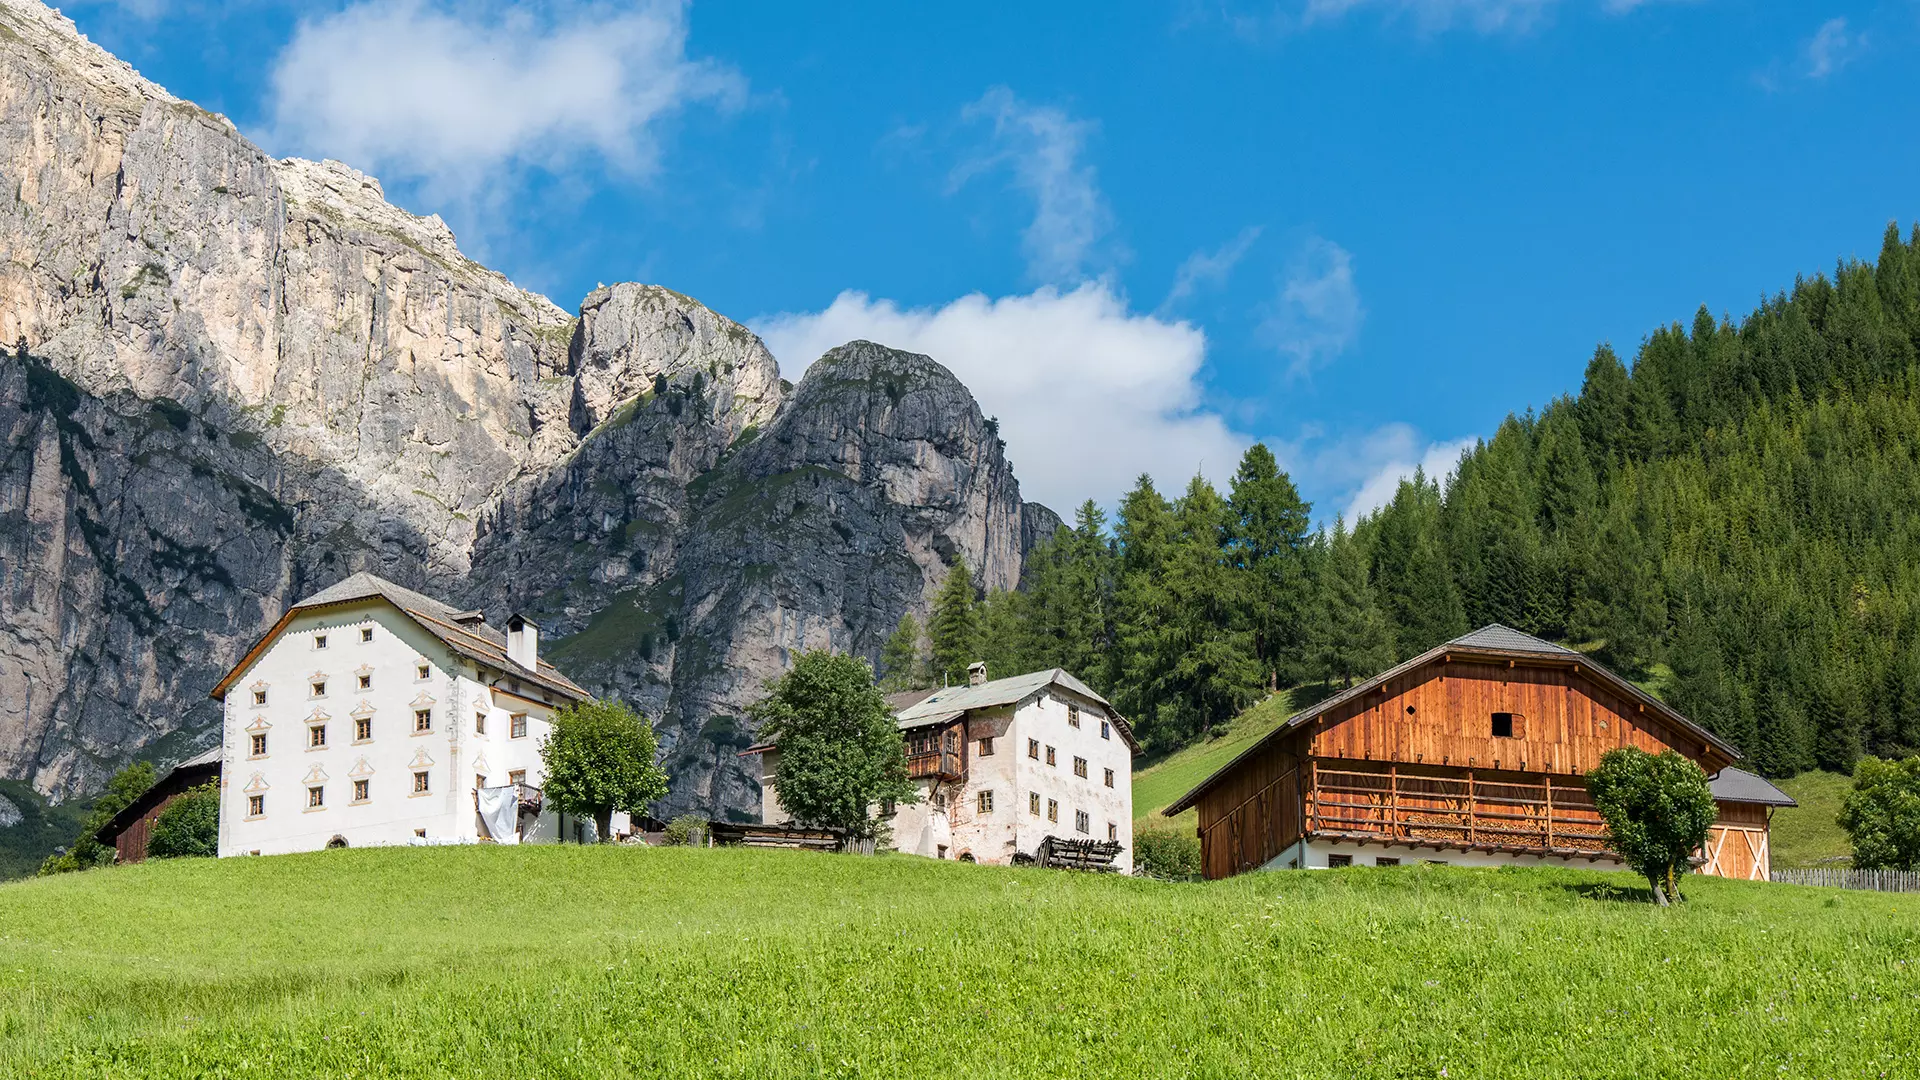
point(461, 97)
point(1317, 313)
point(1486, 16)
point(1831, 48)
point(1042, 145)
point(1089, 393)
point(1373, 465)
point(1209, 268)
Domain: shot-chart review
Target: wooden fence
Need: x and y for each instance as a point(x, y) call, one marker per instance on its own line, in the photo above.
point(1846, 878)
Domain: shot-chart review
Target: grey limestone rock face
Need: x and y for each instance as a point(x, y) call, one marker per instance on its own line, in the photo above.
point(248, 377)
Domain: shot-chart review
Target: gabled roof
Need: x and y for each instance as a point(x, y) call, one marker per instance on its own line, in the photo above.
point(949, 703)
point(1492, 641)
point(1741, 786)
point(475, 641)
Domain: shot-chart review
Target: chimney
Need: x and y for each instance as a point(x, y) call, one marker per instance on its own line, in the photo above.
point(976, 673)
point(523, 642)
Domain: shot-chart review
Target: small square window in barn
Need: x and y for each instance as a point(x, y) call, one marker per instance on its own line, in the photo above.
point(1386, 861)
point(1336, 861)
point(984, 802)
point(986, 747)
point(1503, 725)
point(1081, 822)
point(1033, 803)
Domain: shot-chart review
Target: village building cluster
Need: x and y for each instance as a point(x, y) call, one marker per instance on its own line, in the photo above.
point(370, 714)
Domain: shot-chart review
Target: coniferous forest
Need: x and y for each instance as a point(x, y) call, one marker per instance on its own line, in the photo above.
point(1732, 520)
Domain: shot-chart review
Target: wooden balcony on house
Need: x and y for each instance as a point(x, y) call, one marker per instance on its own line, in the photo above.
point(934, 764)
point(1460, 809)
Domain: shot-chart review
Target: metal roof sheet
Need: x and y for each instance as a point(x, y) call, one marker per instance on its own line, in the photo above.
point(1739, 785)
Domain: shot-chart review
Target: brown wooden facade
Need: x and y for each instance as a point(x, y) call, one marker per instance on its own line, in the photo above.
point(1469, 748)
point(127, 833)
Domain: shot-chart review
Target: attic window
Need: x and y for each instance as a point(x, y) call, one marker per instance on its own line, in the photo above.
point(1106, 730)
point(1503, 725)
point(422, 671)
point(366, 633)
point(366, 682)
point(259, 697)
point(1073, 716)
point(319, 688)
point(319, 641)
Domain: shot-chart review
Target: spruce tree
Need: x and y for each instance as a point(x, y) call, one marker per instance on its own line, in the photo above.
point(954, 630)
point(1267, 538)
point(903, 659)
point(1350, 635)
point(1213, 669)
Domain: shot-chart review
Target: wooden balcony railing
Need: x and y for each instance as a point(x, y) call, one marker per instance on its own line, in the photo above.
point(1507, 813)
point(936, 764)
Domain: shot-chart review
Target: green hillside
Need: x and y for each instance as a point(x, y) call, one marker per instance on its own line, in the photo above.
point(589, 962)
point(1808, 834)
point(1159, 784)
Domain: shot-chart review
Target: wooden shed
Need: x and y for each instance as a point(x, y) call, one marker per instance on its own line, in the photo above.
point(127, 833)
point(1473, 753)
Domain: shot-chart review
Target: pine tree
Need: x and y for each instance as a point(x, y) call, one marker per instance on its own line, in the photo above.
point(954, 630)
point(1268, 538)
point(1350, 634)
point(1410, 569)
point(903, 659)
point(1603, 408)
point(1213, 671)
point(1143, 615)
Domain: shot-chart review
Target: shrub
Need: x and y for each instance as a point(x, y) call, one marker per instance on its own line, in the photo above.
point(687, 829)
point(1167, 854)
point(1882, 814)
point(1658, 808)
point(189, 826)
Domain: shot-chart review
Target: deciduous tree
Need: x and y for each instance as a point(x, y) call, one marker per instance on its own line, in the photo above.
point(1658, 808)
point(599, 758)
point(840, 751)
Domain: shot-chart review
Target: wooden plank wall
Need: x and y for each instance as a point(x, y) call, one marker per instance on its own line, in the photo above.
point(1253, 814)
point(1563, 721)
point(1737, 845)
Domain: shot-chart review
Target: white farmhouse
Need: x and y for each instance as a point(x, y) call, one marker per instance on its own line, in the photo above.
point(1002, 765)
point(373, 715)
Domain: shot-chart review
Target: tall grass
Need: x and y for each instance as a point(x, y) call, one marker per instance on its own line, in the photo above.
point(590, 962)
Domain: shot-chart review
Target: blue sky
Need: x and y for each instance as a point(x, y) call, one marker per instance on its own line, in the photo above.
point(1361, 230)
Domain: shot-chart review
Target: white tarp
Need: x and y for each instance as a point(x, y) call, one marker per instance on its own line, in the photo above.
point(500, 812)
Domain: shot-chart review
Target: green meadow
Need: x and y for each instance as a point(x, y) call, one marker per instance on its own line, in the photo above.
point(591, 962)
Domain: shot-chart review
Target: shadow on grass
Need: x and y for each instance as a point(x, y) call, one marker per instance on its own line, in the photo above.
point(1608, 892)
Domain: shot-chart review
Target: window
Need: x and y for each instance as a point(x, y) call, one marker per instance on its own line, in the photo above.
point(1337, 861)
point(986, 747)
point(1033, 803)
point(362, 728)
point(517, 776)
point(319, 641)
point(319, 688)
point(940, 801)
point(366, 633)
point(316, 796)
point(316, 736)
point(359, 791)
point(1050, 755)
point(1113, 831)
point(1053, 810)
point(421, 784)
point(259, 697)
point(423, 719)
point(1073, 716)
point(1080, 822)
point(984, 801)
point(479, 723)
point(887, 808)
point(366, 682)
point(1109, 777)
point(1033, 749)
point(259, 744)
point(1385, 861)
point(422, 671)
point(1080, 767)
point(256, 805)
point(1503, 725)
point(517, 726)
point(1106, 730)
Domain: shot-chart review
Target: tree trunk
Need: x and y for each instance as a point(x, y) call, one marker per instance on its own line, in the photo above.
point(1673, 885)
point(1659, 895)
point(603, 823)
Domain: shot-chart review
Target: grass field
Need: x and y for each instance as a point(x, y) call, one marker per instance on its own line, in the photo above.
point(591, 962)
point(1157, 785)
point(1808, 835)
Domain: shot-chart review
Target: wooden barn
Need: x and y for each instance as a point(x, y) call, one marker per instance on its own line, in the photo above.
point(128, 830)
point(1473, 753)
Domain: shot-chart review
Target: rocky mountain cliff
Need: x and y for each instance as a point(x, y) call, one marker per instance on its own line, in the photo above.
point(246, 377)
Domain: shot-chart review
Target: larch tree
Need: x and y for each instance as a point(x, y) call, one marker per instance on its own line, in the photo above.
point(903, 659)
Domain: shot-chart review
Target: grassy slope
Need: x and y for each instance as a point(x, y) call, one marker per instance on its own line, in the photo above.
point(1807, 835)
point(1161, 783)
point(588, 962)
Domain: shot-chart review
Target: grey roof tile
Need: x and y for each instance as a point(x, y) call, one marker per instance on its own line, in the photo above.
point(1739, 785)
